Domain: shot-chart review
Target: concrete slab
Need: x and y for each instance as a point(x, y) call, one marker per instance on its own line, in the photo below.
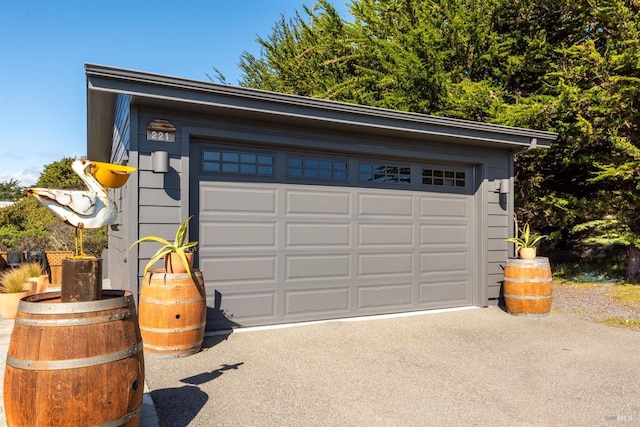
point(472, 367)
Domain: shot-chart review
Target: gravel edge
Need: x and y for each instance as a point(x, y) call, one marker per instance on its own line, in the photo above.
point(592, 302)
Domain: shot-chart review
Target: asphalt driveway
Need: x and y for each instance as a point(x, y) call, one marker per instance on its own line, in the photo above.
point(469, 367)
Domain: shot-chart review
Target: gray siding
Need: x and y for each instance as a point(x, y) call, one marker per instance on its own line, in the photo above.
point(160, 196)
point(117, 231)
point(499, 210)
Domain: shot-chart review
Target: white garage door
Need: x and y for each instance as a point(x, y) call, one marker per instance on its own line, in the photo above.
point(282, 252)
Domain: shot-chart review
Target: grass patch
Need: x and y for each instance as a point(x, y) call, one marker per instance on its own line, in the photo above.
point(576, 284)
point(583, 274)
point(587, 277)
point(627, 294)
point(588, 272)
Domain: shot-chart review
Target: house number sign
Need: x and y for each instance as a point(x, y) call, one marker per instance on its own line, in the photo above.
point(161, 130)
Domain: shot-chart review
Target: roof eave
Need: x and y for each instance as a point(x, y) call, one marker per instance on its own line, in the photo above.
point(104, 83)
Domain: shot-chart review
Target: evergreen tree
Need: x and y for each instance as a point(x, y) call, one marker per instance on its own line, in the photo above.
point(566, 66)
point(300, 57)
point(11, 190)
point(601, 90)
point(59, 174)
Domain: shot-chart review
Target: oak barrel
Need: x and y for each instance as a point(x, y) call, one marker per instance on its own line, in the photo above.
point(75, 364)
point(527, 287)
point(173, 313)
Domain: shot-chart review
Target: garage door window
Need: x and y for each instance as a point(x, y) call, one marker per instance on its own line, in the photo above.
point(376, 172)
point(444, 178)
point(237, 162)
point(298, 167)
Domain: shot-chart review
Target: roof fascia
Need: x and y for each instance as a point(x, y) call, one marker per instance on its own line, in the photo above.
point(160, 88)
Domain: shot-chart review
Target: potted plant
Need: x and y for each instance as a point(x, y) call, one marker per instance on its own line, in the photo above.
point(527, 286)
point(178, 256)
point(173, 306)
point(12, 291)
point(526, 243)
point(35, 274)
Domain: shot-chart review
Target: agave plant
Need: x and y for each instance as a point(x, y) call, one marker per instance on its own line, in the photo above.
point(178, 246)
point(526, 238)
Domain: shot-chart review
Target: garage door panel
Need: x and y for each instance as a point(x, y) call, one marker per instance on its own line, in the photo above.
point(279, 252)
point(454, 206)
point(444, 234)
point(445, 262)
point(317, 301)
point(317, 203)
point(434, 294)
point(387, 296)
point(248, 307)
point(247, 235)
point(386, 204)
point(376, 265)
point(237, 200)
point(385, 235)
point(317, 266)
point(239, 268)
point(308, 235)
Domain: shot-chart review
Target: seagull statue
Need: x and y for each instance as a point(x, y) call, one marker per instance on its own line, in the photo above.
point(83, 209)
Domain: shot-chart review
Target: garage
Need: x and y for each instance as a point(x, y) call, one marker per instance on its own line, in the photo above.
point(332, 236)
point(305, 209)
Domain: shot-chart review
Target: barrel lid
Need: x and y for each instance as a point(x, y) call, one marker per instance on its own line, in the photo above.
point(49, 303)
point(537, 259)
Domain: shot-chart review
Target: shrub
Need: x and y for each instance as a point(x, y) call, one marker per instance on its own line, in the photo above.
point(12, 280)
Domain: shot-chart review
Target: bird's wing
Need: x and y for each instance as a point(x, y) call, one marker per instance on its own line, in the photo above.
point(81, 202)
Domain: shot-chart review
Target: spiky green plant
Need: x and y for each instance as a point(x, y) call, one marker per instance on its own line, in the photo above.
point(178, 246)
point(526, 239)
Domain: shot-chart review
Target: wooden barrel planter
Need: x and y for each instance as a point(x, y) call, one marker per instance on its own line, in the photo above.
point(527, 287)
point(173, 313)
point(75, 364)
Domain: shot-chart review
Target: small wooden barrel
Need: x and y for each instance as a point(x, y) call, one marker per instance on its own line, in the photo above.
point(173, 313)
point(75, 364)
point(527, 287)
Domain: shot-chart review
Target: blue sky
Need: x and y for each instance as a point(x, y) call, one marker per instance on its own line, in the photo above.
point(44, 45)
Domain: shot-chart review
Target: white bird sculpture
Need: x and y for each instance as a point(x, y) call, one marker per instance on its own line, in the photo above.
point(81, 209)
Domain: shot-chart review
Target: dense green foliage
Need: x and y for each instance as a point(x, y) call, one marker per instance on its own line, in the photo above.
point(60, 175)
point(11, 190)
point(26, 225)
point(572, 67)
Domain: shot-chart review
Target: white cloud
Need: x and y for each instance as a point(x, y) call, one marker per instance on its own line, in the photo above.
point(25, 172)
point(26, 178)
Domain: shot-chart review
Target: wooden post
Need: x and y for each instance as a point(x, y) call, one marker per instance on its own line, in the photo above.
point(81, 280)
